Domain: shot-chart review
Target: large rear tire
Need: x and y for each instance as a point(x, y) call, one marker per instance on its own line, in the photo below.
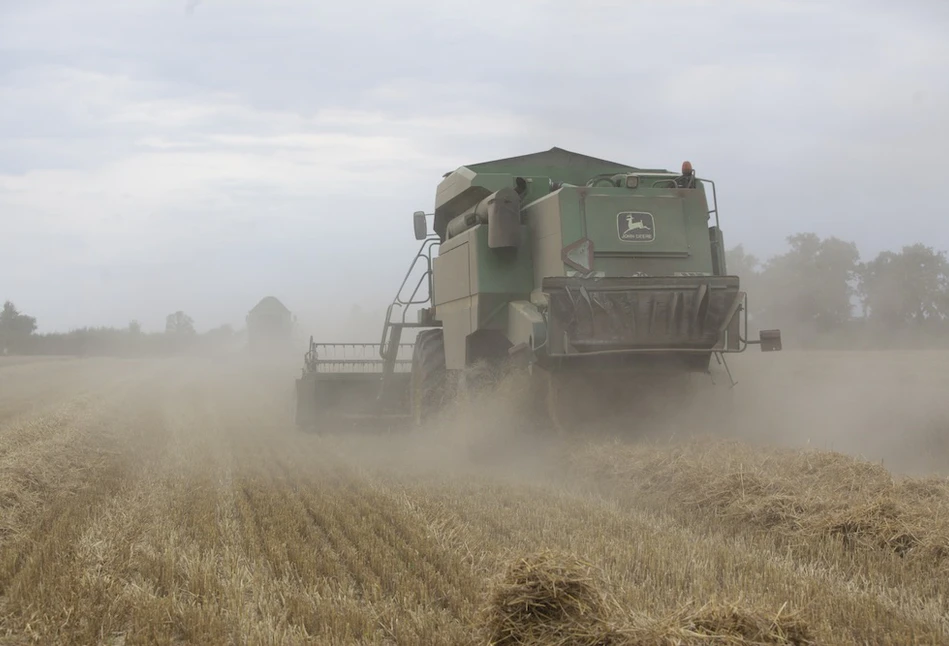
point(429, 375)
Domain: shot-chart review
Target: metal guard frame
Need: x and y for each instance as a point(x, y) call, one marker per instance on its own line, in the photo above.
point(352, 358)
point(740, 309)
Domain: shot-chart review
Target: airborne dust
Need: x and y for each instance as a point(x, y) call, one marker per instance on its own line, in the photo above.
point(887, 407)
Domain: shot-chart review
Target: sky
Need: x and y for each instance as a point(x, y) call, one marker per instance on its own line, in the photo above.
point(164, 155)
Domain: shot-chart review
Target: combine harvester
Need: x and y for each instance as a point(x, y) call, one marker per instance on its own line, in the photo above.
point(602, 281)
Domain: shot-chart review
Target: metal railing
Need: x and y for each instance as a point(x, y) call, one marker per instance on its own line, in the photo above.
point(354, 358)
point(400, 303)
point(672, 184)
point(714, 208)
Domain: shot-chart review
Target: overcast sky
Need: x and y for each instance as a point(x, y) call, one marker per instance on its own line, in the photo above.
point(161, 155)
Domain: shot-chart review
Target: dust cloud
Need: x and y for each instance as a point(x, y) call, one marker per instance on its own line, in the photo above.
point(887, 407)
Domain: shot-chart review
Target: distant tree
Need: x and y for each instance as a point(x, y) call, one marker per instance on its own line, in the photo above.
point(15, 328)
point(748, 269)
point(135, 328)
point(909, 286)
point(179, 324)
point(741, 264)
point(812, 285)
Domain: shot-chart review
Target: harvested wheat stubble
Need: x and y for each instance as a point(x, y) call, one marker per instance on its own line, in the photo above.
point(551, 599)
point(805, 493)
point(722, 623)
point(211, 520)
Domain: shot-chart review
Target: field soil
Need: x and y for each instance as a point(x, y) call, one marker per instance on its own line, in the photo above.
point(174, 502)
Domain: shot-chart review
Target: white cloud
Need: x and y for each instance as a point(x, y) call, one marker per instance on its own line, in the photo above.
point(274, 136)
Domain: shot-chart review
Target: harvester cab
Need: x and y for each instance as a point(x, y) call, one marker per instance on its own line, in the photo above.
point(596, 277)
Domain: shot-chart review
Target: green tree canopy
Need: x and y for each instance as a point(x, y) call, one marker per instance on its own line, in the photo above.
point(15, 328)
point(812, 285)
point(747, 267)
point(909, 286)
point(179, 324)
point(740, 263)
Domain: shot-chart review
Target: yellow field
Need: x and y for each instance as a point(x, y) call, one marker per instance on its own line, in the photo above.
point(173, 502)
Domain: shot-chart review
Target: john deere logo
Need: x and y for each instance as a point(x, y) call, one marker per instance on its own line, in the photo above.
point(634, 226)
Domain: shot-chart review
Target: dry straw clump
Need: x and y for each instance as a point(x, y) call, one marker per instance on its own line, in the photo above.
point(805, 493)
point(725, 623)
point(550, 599)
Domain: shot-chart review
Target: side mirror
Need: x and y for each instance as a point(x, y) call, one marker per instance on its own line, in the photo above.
point(770, 340)
point(421, 226)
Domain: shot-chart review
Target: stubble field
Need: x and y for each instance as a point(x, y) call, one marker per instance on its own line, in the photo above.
point(173, 502)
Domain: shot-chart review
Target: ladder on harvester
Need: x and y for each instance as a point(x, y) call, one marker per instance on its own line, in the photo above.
point(397, 312)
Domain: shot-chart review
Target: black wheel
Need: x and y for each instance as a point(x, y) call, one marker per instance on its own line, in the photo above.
point(428, 375)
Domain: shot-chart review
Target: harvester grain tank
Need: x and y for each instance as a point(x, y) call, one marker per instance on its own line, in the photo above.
point(592, 275)
point(269, 326)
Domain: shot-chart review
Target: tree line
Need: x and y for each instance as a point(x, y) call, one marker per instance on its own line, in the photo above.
point(18, 336)
point(822, 294)
point(819, 292)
